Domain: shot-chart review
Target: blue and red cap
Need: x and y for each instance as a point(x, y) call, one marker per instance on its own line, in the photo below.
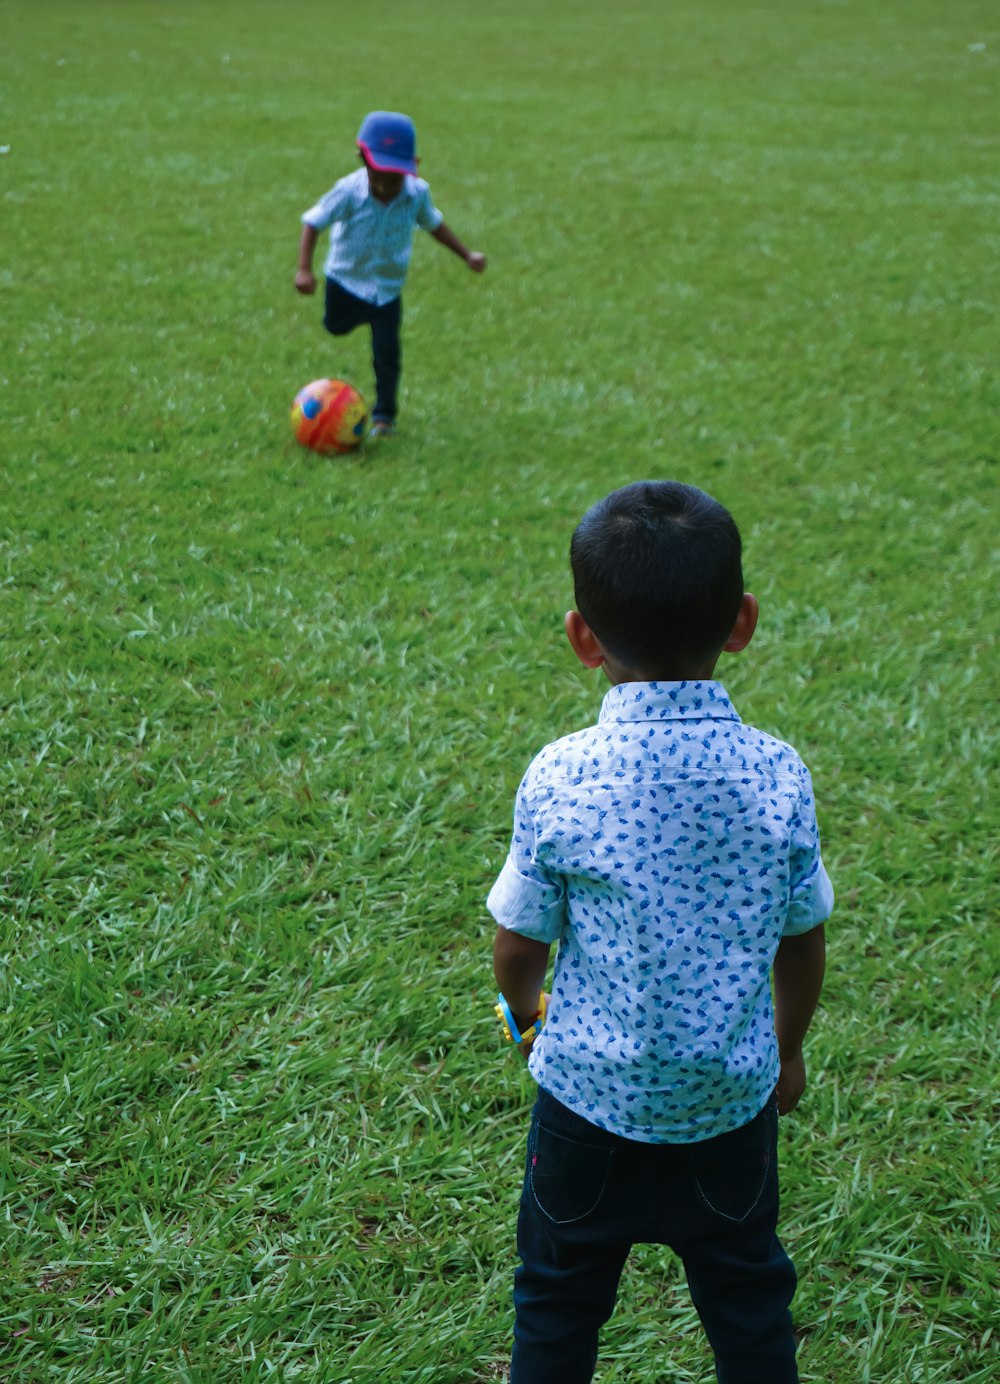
point(388, 141)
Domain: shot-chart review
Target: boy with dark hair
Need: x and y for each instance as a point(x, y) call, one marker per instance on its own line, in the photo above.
point(672, 853)
point(373, 214)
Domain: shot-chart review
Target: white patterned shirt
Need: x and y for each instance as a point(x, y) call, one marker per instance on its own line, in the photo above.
point(371, 242)
point(667, 850)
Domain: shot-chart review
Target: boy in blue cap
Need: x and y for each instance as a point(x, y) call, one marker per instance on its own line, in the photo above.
point(672, 853)
point(372, 215)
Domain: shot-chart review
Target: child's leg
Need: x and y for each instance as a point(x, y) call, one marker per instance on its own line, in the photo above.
point(569, 1241)
point(343, 312)
point(387, 357)
point(741, 1280)
point(742, 1296)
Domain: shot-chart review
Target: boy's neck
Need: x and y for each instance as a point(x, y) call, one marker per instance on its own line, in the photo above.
point(701, 672)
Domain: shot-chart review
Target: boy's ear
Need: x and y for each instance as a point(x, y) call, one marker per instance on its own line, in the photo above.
point(583, 640)
point(746, 623)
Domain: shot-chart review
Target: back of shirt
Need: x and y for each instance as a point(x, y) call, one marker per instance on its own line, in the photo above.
point(667, 850)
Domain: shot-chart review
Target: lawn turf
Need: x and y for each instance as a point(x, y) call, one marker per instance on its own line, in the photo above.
point(264, 714)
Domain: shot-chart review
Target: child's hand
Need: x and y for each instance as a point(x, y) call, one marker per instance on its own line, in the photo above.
point(305, 281)
point(476, 261)
point(791, 1082)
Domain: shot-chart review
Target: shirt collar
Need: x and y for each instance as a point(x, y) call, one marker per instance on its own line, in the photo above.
point(667, 701)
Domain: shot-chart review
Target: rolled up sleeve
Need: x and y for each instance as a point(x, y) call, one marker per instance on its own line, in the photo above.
point(526, 897)
point(811, 893)
point(529, 904)
point(332, 207)
point(427, 217)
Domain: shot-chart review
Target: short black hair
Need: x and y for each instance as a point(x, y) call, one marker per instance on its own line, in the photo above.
point(658, 573)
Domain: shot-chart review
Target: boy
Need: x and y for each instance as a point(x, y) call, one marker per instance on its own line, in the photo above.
point(372, 215)
point(673, 854)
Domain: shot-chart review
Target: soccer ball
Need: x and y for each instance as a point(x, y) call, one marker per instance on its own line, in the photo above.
point(329, 416)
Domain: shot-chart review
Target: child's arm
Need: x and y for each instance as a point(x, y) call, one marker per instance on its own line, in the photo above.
point(447, 237)
point(519, 965)
point(798, 979)
point(305, 280)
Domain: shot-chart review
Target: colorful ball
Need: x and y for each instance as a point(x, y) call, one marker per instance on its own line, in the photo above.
point(329, 416)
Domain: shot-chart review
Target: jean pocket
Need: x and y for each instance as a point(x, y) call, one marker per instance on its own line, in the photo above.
point(568, 1178)
point(733, 1171)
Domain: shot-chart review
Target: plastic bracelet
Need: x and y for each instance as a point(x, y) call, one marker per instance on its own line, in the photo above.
point(503, 1013)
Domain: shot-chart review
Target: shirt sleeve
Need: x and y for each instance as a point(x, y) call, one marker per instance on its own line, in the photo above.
point(527, 898)
point(428, 218)
point(811, 893)
point(332, 207)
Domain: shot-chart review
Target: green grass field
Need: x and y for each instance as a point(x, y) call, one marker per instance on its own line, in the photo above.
point(263, 714)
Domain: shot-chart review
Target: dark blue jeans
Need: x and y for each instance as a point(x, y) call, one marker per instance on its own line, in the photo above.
point(344, 312)
point(588, 1196)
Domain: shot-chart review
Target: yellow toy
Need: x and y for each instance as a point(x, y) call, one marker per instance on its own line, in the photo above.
point(502, 1011)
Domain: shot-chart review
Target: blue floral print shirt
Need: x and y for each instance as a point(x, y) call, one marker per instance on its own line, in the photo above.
point(667, 850)
point(370, 241)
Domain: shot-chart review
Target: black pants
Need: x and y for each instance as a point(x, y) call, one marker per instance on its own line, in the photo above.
point(344, 312)
point(589, 1195)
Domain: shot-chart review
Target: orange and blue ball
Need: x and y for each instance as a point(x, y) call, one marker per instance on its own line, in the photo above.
point(330, 416)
